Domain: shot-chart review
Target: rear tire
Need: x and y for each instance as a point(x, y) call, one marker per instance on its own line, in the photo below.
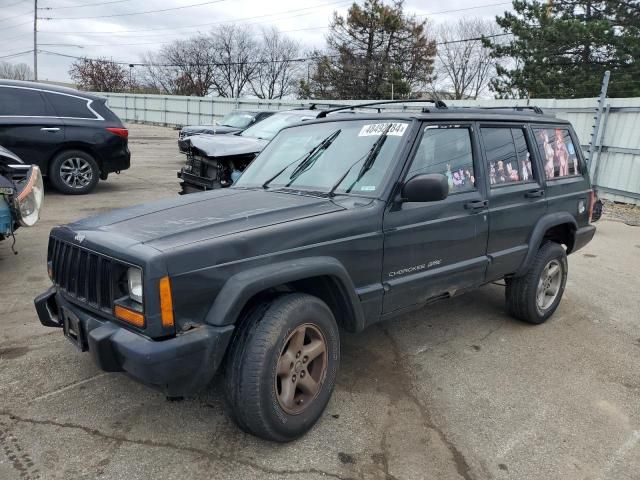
point(535, 296)
point(282, 367)
point(74, 172)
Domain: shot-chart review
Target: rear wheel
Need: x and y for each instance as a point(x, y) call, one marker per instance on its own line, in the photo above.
point(74, 172)
point(536, 295)
point(282, 367)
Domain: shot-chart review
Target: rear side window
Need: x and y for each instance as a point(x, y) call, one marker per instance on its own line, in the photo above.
point(557, 151)
point(447, 150)
point(70, 107)
point(22, 102)
point(508, 157)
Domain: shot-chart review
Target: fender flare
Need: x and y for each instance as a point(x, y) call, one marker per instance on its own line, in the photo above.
point(239, 288)
point(535, 240)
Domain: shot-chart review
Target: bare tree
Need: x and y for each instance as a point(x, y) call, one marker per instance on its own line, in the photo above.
point(464, 67)
point(184, 67)
point(237, 56)
point(278, 69)
point(102, 75)
point(18, 71)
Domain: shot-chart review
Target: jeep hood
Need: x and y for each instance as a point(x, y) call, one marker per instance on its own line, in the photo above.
point(226, 145)
point(202, 216)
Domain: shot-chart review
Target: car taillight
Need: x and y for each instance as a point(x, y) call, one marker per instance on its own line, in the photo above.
point(121, 132)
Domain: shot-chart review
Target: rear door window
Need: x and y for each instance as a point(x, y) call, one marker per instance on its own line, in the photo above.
point(22, 102)
point(508, 156)
point(70, 107)
point(558, 152)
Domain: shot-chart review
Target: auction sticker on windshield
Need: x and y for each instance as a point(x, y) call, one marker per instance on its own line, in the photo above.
point(397, 129)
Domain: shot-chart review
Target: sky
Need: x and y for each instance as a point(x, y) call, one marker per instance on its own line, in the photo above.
point(124, 37)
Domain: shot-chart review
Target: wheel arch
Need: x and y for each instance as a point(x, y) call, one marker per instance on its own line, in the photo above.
point(557, 227)
point(69, 146)
point(323, 277)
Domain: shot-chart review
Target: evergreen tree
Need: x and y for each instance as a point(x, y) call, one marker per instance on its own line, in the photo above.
point(375, 46)
point(561, 48)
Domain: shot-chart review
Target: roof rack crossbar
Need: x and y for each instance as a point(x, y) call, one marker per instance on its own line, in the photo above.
point(518, 108)
point(437, 103)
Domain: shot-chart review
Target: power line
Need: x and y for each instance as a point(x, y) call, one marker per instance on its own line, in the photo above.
point(463, 9)
point(86, 5)
point(222, 64)
point(136, 13)
point(12, 4)
point(93, 32)
point(17, 54)
point(16, 16)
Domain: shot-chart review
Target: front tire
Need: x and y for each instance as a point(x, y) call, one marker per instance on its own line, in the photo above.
point(282, 367)
point(535, 296)
point(74, 172)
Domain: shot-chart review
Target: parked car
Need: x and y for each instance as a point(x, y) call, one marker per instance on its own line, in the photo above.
point(234, 122)
point(72, 136)
point(21, 194)
point(216, 161)
point(340, 221)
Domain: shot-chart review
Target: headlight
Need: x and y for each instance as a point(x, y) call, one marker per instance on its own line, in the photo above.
point(29, 198)
point(134, 279)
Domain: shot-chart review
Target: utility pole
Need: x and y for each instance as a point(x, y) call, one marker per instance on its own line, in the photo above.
point(35, 40)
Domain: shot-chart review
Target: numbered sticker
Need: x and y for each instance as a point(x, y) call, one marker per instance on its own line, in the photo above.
point(376, 129)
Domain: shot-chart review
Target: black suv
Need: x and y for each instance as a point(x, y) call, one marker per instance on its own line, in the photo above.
point(72, 136)
point(340, 221)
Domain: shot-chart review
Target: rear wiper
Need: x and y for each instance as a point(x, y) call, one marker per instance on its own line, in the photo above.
point(304, 161)
point(369, 159)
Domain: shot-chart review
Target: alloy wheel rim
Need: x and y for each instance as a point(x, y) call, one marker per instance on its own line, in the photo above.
point(76, 172)
point(301, 368)
point(549, 285)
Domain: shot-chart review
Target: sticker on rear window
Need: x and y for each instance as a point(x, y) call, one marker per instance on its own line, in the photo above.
point(367, 188)
point(397, 129)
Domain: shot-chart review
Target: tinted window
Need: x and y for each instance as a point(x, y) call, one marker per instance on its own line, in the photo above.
point(22, 102)
point(557, 152)
point(446, 150)
point(508, 157)
point(66, 106)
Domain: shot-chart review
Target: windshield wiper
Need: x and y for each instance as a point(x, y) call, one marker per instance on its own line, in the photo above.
point(369, 159)
point(304, 161)
point(311, 158)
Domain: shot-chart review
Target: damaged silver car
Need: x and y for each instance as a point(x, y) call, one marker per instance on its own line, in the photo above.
point(217, 161)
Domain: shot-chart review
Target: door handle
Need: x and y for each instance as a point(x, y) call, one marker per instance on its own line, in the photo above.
point(534, 193)
point(475, 205)
point(50, 129)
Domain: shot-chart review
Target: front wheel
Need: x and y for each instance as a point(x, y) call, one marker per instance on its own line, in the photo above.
point(536, 295)
point(74, 172)
point(282, 367)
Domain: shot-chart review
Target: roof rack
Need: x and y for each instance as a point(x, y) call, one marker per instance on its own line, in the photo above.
point(437, 103)
point(518, 108)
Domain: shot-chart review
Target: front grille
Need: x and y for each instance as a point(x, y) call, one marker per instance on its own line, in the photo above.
point(85, 275)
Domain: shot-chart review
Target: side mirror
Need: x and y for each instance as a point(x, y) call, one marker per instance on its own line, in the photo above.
point(426, 187)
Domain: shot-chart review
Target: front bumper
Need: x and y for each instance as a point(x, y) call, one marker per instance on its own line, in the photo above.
point(178, 366)
point(195, 183)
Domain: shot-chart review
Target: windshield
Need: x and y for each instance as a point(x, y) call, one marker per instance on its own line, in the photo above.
point(342, 157)
point(237, 120)
point(268, 128)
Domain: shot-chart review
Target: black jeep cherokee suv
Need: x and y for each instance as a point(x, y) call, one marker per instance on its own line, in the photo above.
point(340, 221)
